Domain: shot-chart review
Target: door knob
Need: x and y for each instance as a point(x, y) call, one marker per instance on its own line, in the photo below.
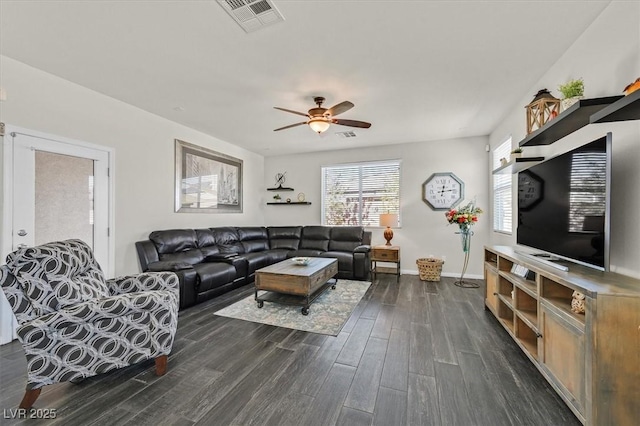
point(22, 232)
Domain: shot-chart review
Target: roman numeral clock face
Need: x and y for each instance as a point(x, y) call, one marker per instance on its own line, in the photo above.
point(441, 191)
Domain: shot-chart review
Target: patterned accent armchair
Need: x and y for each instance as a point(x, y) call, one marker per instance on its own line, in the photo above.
point(75, 324)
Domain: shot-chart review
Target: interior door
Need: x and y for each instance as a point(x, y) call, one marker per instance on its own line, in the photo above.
point(60, 191)
point(53, 189)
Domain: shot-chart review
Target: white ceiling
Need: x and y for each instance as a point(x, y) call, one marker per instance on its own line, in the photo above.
point(418, 70)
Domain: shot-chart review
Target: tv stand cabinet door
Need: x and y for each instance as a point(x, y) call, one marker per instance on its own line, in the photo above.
point(491, 278)
point(562, 357)
point(617, 361)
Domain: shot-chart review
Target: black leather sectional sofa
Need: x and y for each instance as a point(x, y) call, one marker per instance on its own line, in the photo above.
point(212, 261)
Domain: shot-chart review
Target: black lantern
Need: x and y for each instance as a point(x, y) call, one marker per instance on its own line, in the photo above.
point(542, 108)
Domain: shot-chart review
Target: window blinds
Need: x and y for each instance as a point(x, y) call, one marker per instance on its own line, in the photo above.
point(502, 198)
point(356, 194)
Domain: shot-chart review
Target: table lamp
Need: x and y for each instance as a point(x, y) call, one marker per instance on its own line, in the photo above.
point(388, 220)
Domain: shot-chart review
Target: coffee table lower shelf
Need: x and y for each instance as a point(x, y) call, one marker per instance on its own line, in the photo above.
point(292, 299)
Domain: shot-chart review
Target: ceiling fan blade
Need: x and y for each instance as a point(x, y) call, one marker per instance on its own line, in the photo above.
point(290, 126)
point(293, 112)
point(340, 108)
point(352, 123)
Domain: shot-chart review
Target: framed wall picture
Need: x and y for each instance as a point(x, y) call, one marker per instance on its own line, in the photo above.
point(206, 181)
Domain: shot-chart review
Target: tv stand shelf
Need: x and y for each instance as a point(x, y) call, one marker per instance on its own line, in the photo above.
point(591, 359)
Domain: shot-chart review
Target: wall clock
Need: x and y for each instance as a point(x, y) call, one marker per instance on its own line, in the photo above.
point(442, 191)
point(530, 190)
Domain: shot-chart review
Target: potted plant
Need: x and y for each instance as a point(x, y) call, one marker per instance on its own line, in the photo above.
point(277, 198)
point(572, 91)
point(516, 153)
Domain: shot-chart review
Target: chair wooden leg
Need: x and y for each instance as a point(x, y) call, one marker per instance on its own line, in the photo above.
point(29, 398)
point(161, 365)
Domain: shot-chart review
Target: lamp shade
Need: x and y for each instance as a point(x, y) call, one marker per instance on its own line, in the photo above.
point(389, 219)
point(318, 125)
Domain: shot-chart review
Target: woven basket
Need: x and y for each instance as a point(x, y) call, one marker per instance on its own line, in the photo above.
point(429, 268)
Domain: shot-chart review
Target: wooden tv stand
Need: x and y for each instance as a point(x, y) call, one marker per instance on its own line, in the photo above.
point(593, 359)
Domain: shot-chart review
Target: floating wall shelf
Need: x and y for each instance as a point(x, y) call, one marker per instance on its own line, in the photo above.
point(570, 120)
point(280, 188)
point(624, 109)
point(518, 165)
point(286, 204)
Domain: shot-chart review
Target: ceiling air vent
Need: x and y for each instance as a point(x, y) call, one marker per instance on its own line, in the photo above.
point(252, 15)
point(347, 134)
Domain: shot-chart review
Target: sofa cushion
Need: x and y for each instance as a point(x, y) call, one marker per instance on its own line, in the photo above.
point(207, 242)
point(70, 258)
point(205, 238)
point(345, 260)
point(81, 288)
point(212, 275)
point(257, 260)
point(278, 255)
point(227, 240)
point(315, 238)
point(284, 237)
point(345, 238)
point(174, 240)
point(253, 239)
point(39, 292)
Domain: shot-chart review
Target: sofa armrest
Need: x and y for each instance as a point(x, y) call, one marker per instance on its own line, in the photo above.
point(147, 254)
point(146, 281)
point(362, 249)
point(167, 265)
point(94, 311)
point(220, 257)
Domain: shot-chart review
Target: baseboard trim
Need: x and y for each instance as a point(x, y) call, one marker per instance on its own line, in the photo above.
point(445, 274)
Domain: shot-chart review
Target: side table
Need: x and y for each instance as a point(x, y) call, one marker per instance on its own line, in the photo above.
point(388, 254)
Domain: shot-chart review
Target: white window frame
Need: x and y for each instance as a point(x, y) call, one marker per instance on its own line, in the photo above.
point(502, 189)
point(393, 208)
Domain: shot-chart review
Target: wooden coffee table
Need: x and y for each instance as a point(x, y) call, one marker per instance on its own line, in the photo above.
point(289, 283)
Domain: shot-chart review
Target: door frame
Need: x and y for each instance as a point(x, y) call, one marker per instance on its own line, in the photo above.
point(6, 233)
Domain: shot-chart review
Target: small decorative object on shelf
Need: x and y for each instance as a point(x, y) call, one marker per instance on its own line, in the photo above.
point(540, 109)
point(577, 302)
point(632, 87)
point(280, 179)
point(288, 200)
point(465, 217)
point(516, 153)
point(572, 92)
point(277, 198)
point(301, 197)
point(503, 161)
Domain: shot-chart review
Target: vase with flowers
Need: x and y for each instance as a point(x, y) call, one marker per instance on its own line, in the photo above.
point(465, 217)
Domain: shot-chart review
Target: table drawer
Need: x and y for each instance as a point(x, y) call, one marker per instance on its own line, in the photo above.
point(383, 254)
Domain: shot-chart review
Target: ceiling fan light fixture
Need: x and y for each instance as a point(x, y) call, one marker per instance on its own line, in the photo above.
point(319, 125)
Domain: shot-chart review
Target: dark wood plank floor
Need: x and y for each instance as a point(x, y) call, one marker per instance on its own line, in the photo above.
point(412, 353)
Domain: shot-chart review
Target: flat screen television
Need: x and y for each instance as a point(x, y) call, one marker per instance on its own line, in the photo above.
point(564, 203)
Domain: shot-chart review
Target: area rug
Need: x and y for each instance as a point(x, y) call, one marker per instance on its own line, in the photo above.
point(327, 314)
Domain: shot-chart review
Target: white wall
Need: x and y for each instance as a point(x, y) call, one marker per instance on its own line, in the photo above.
point(424, 231)
point(607, 57)
point(144, 153)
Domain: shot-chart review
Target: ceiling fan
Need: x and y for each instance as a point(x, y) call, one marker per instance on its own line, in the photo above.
point(319, 119)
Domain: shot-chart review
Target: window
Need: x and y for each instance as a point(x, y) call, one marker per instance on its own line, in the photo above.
point(502, 204)
point(356, 194)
